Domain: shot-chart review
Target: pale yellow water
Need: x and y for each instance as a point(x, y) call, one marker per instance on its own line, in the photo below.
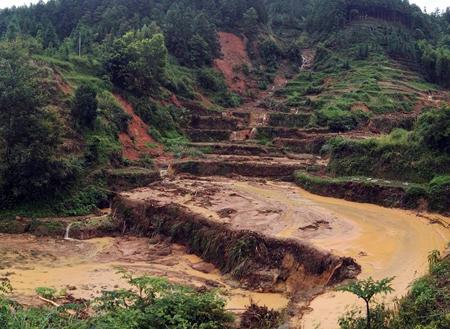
point(397, 243)
point(385, 242)
point(92, 266)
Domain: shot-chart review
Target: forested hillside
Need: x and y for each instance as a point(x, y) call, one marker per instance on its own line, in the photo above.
point(102, 96)
point(150, 50)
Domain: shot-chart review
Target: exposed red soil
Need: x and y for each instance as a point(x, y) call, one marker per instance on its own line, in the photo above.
point(136, 142)
point(62, 84)
point(234, 56)
point(205, 101)
point(360, 106)
point(175, 101)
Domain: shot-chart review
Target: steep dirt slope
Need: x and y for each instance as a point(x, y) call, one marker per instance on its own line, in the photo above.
point(234, 57)
point(136, 142)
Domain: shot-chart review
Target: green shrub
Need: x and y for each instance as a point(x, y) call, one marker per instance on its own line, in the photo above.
point(433, 129)
point(109, 109)
point(85, 105)
point(229, 99)
point(48, 293)
point(439, 192)
point(209, 79)
point(270, 52)
point(336, 119)
point(150, 303)
point(354, 319)
point(414, 194)
point(428, 304)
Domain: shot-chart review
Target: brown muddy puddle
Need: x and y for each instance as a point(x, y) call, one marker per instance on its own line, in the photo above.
point(385, 242)
point(85, 268)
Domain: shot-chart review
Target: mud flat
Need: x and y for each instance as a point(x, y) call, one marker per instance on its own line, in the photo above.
point(385, 242)
point(85, 268)
point(246, 235)
point(270, 242)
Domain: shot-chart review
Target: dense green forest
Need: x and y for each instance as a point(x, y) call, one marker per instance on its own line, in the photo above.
point(67, 67)
point(156, 48)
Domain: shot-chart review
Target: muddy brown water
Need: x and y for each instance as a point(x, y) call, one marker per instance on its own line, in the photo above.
point(386, 242)
point(86, 268)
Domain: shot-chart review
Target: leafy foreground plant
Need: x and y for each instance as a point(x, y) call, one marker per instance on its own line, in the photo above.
point(367, 289)
point(150, 303)
point(426, 306)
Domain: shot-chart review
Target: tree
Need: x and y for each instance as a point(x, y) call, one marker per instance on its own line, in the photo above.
point(13, 30)
point(29, 134)
point(136, 61)
point(250, 22)
point(85, 106)
point(190, 36)
point(433, 130)
point(367, 289)
point(363, 51)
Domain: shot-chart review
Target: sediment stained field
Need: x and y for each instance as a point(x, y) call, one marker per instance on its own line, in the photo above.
point(86, 268)
point(385, 242)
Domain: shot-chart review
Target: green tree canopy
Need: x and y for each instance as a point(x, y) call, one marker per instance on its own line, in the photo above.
point(29, 135)
point(137, 62)
point(85, 106)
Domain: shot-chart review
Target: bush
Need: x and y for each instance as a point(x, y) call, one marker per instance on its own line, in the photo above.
point(428, 304)
point(209, 79)
point(381, 318)
point(151, 303)
point(270, 52)
point(109, 109)
point(413, 196)
point(400, 155)
point(48, 293)
point(336, 119)
point(433, 129)
point(85, 106)
point(160, 304)
point(229, 99)
point(439, 192)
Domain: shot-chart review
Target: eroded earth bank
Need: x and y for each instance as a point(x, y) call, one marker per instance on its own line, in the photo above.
point(263, 241)
point(227, 215)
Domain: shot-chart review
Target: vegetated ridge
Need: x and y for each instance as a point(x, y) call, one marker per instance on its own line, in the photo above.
point(347, 99)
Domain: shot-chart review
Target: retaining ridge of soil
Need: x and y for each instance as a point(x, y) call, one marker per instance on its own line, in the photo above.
point(410, 196)
point(264, 168)
point(257, 261)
